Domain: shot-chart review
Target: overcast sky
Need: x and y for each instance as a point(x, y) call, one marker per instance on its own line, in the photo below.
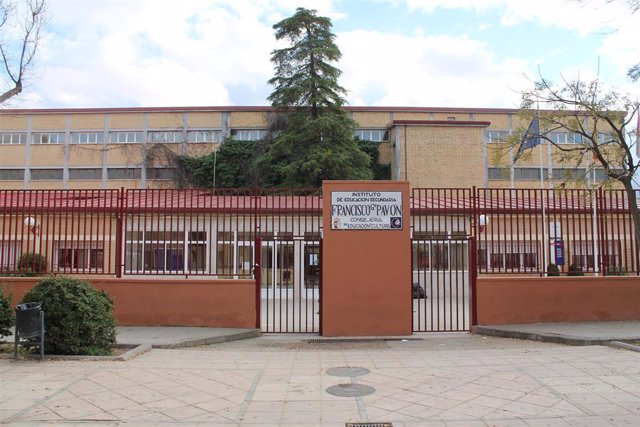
point(423, 53)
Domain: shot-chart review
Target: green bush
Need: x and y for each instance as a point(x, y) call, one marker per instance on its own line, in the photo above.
point(7, 316)
point(553, 270)
point(575, 270)
point(32, 263)
point(614, 270)
point(78, 318)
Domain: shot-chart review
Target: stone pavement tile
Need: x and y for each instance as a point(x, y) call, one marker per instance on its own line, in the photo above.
point(471, 409)
point(418, 411)
point(340, 416)
point(466, 423)
point(386, 403)
point(505, 423)
point(107, 400)
point(633, 407)
point(606, 409)
point(263, 417)
point(256, 406)
point(490, 401)
point(219, 406)
point(184, 413)
point(563, 409)
point(623, 420)
point(588, 421)
point(546, 422)
point(301, 417)
point(619, 397)
point(585, 399)
point(423, 423)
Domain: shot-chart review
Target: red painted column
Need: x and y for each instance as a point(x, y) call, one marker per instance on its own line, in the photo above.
point(366, 274)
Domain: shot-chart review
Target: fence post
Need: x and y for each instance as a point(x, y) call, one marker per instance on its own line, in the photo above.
point(473, 278)
point(257, 272)
point(119, 231)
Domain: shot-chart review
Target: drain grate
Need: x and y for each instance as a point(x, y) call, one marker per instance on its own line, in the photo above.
point(368, 425)
point(356, 340)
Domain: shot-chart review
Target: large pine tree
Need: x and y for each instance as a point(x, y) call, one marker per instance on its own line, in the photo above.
point(316, 140)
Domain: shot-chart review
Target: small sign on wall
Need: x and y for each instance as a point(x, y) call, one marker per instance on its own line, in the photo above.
point(366, 210)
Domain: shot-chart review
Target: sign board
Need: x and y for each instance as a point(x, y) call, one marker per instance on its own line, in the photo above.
point(559, 246)
point(366, 210)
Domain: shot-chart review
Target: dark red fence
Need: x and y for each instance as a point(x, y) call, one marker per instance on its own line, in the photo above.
point(213, 233)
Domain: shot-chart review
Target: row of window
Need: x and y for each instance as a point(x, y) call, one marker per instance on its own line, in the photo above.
point(86, 174)
point(530, 174)
point(493, 136)
point(167, 137)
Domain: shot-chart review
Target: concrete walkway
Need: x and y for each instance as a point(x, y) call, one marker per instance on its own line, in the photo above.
point(176, 337)
point(429, 380)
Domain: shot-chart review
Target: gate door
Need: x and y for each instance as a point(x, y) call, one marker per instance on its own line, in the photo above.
point(441, 262)
point(290, 287)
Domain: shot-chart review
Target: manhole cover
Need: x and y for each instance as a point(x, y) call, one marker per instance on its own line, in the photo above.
point(350, 390)
point(347, 371)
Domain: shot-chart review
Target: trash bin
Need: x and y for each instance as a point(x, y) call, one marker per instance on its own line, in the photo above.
point(29, 325)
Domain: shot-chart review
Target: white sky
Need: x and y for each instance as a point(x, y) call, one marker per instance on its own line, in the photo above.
point(427, 53)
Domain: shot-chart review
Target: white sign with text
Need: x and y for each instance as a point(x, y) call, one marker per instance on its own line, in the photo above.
point(366, 210)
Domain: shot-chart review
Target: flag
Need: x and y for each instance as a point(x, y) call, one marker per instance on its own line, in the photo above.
point(530, 139)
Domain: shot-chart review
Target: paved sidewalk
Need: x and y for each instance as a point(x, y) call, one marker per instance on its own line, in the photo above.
point(175, 337)
point(430, 380)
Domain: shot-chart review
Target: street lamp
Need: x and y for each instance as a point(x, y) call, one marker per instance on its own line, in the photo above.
point(483, 220)
point(31, 223)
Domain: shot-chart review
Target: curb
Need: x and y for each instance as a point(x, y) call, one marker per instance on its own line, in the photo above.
point(253, 333)
point(134, 352)
point(538, 336)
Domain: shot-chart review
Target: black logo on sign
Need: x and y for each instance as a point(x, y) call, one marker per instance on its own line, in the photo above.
point(396, 222)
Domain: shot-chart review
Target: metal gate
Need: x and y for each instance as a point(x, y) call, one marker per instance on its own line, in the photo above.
point(443, 265)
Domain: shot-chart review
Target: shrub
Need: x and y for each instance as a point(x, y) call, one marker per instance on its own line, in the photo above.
point(7, 316)
point(32, 263)
point(553, 270)
point(614, 270)
point(575, 270)
point(78, 318)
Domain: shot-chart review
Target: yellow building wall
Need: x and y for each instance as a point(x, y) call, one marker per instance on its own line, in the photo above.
point(498, 121)
point(87, 121)
point(164, 120)
point(443, 156)
point(371, 119)
point(46, 185)
point(12, 122)
point(240, 119)
point(57, 122)
point(203, 120)
point(126, 121)
point(403, 115)
point(385, 153)
point(124, 154)
point(47, 155)
point(200, 149)
point(12, 155)
point(85, 155)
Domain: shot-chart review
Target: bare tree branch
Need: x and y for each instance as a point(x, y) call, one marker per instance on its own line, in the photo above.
point(20, 34)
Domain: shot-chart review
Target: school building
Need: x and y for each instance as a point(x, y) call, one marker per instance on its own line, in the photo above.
point(110, 148)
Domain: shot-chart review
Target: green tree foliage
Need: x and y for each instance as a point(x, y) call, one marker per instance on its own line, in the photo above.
point(380, 172)
point(316, 140)
point(78, 318)
point(7, 316)
point(31, 264)
point(233, 164)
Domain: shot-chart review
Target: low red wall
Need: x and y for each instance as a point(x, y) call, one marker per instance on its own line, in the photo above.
point(212, 303)
point(513, 300)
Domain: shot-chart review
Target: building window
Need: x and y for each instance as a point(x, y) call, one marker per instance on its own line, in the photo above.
point(498, 173)
point(125, 137)
point(48, 138)
point(78, 256)
point(375, 135)
point(85, 174)
point(248, 134)
point(164, 251)
point(123, 173)
point(46, 174)
point(508, 256)
point(569, 174)
point(582, 254)
point(9, 254)
point(87, 137)
point(492, 136)
point(11, 174)
point(162, 137)
point(529, 174)
point(13, 138)
point(565, 138)
point(161, 173)
point(444, 255)
point(204, 136)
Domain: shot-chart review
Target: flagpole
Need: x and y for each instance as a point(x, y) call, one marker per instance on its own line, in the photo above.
point(544, 215)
